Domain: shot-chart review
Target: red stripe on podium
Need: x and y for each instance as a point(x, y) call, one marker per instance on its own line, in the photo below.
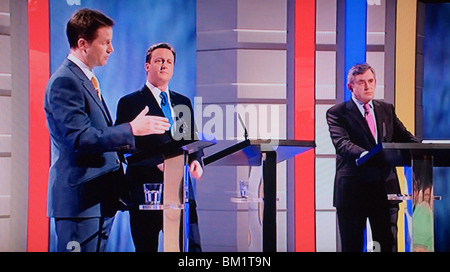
point(39, 143)
point(305, 11)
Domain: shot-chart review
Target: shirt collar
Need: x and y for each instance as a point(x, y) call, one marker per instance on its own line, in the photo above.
point(86, 70)
point(360, 105)
point(156, 92)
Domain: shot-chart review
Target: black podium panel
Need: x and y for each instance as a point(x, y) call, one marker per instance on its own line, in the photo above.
point(421, 157)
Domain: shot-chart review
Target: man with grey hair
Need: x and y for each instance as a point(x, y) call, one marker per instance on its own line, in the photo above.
point(360, 193)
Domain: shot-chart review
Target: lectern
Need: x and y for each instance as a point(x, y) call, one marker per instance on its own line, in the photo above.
point(266, 153)
point(175, 202)
point(422, 157)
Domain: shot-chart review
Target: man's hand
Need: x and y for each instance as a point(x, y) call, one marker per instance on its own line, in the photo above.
point(148, 124)
point(196, 170)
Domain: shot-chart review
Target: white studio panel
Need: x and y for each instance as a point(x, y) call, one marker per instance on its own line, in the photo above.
point(5, 117)
point(325, 172)
point(262, 14)
point(324, 146)
point(326, 231)
point(326, 21)
point(325, 75)
point(376, 60)
point(5, 175)
point(5, 53)
point(5, 143)
point(376, 23)
point(261, 74)
point(5, 81)
point(4, 233)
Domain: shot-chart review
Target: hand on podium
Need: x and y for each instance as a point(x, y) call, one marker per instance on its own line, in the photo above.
point(195, 169)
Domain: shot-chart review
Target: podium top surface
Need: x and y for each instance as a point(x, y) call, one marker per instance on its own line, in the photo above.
point(401, 154)
point(249, 152)
point(170, 149)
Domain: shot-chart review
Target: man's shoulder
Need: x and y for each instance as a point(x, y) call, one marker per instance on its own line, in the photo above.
point(179, 98)
point(134, 95)
point(383, 104)
point(340, 106)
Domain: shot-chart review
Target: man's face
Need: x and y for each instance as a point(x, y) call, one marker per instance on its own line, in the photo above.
point(98, 51)
point(363, 86)
point(160, 68)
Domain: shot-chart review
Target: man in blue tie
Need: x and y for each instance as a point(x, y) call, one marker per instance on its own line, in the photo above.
point(159, 66)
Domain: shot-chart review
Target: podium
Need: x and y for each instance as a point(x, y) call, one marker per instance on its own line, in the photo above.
point(175, 197)
point(421, 157)
point(265, 153)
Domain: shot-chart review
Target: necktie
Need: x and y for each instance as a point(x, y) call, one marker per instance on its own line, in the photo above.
point(96, 85)
point(370, 120)
point(166, 107)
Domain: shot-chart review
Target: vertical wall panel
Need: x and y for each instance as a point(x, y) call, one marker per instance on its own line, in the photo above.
point(5, 126)
point(304, 73)
point(39, 155)
point(327, 76)
point(241, 60)
point(355, 36)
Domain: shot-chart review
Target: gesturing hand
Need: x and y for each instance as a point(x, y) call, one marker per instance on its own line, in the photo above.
point(148, 124)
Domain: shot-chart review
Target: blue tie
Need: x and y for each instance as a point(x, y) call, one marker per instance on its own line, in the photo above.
point(166, 107)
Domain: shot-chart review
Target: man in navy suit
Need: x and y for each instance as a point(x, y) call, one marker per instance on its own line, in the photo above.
point(86, 171)
point(159, 65)
point(361, 192)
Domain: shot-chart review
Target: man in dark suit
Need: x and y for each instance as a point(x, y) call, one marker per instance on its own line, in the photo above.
point(356, 126)
point(86, 171)
point(159, 65)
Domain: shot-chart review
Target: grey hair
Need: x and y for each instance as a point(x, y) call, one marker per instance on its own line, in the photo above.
point(358, 69)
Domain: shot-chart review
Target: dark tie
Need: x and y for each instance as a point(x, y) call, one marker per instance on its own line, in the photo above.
point(166, 107)
point(370, 120)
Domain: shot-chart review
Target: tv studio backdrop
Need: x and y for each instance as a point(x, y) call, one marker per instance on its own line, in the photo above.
point(288, 55)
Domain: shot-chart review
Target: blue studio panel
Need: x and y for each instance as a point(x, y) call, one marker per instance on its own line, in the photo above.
point(436, 108)
point(355, 37)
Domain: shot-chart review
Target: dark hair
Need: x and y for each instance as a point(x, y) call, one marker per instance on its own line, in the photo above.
point(84, 24)
point(158, 46)
point(359, 69)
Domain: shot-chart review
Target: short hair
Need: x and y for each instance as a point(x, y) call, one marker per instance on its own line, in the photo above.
point(153, 47)
point(84, 24)
point(359, 69)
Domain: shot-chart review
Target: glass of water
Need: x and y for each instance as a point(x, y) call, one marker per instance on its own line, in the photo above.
point(243, 188)
point(153, 193)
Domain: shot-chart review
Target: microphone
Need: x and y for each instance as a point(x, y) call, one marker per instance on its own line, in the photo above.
point(243, 126)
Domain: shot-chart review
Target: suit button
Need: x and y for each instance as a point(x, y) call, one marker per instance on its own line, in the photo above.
point(117, 161)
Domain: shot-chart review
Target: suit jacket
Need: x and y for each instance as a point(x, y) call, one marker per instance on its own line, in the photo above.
point(369, 184)
point(84, 145)
point(128, 108)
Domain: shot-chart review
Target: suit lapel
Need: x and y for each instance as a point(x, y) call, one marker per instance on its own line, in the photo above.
point(356, 116)
point(381, 123)
point(150, 101)
point(90, 89)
